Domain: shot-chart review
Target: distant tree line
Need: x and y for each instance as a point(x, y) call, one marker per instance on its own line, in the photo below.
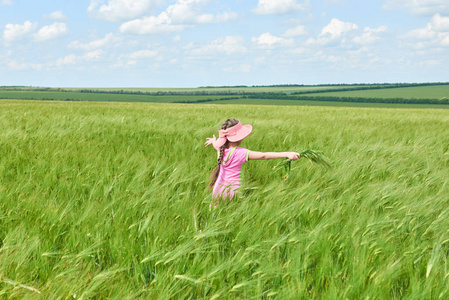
point(353, 99)
point(349, 87)
point(368, 85)
point(48, 99)
point(206, 100)
point(361, 88)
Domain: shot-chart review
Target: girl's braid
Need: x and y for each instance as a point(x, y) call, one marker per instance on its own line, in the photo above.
point(213, 177)
point(222, 148)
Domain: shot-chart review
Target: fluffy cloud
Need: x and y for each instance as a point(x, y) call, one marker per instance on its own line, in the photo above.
point(118, 10)
point(299, 30)
point(73, 59)
point(228, 45)
point(67, 60)
point(147, 25)
point(99, 43)
point(267, 7)
point(51, 32)
point(436, 33)
point(243, 68)
point(267, 40)
point(333, 33)
point(14, 32)
point(6, 2)
point(55, 16)
point(14, 65)
point(419, 7)
point(177, 17)
point(440, 23)
point(143, 54)
point(370, 35)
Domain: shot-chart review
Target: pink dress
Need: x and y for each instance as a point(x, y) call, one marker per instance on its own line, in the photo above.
point(228, 180)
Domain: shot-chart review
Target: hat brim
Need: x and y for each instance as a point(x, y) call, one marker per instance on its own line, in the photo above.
point(241, 134)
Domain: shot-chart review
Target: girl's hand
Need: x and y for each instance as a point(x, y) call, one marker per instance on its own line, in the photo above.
point(293, 155)
point(210, 141)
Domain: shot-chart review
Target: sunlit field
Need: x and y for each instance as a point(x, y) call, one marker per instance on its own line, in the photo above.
point(438, 92)
point(104, 200)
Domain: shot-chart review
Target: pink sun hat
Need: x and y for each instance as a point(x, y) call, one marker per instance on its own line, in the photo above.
point(233, 134)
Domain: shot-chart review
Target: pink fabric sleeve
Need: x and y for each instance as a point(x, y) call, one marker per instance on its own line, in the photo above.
point(241, 155)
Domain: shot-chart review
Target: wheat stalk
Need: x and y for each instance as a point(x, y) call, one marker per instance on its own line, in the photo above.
point(312, 155)
point(316, 157)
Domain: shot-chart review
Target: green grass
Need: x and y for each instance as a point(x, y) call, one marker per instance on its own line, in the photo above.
point(79, 96)
point(260, 89)
point(74, 94)
point(109, 201)
point(433, 92)
point(283, 102)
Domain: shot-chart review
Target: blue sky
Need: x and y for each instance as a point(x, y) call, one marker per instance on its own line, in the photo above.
point(190, 43)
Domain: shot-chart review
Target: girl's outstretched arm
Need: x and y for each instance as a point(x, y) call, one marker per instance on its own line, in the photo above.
point(273, 155)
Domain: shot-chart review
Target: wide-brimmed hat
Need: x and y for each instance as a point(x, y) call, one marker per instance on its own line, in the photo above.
point(233, 134)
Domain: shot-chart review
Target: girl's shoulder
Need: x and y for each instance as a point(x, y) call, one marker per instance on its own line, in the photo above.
point(242, 149)
point(241, 154)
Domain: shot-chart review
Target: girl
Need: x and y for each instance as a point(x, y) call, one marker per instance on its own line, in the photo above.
point(225, 177)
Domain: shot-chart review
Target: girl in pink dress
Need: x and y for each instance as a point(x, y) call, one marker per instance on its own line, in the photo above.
point(225, 179)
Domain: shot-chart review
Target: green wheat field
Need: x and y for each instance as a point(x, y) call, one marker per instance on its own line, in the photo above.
point(109, 200)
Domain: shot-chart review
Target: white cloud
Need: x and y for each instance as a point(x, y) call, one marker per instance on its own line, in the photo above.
point(143, 54)
point(337, 28)
point(267, 7)
point(440, 23)
point(299, 30)
point(333, 33)
point(6, 2)
point(267, 40)
point(243, 68)
point(430, 63)
point(333, 2)
point(99, 43)
point(259, 60)
point(73, 59)
point(51, 32)
point(55, 16)
point(419, 7)
point(188, 11)
point(16, 66)
point(228, 45)
point(14, 32)
point(436, 33)
point(225, 17)
point(210, 18)
point(426, 33)
point(118, 10)
point(177, 17)
point(370, 35)
point(67, 60)
point(13, 65)
point(93, 55)
point(147, 25)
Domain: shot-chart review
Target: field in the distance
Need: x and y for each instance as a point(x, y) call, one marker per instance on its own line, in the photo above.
point(404, 95)
point(284, 102)
point(440, 91)
point(109, 201)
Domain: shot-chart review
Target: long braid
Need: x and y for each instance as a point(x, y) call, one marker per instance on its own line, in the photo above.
point(213, 177)
point(220, 156)
point(222, 148)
